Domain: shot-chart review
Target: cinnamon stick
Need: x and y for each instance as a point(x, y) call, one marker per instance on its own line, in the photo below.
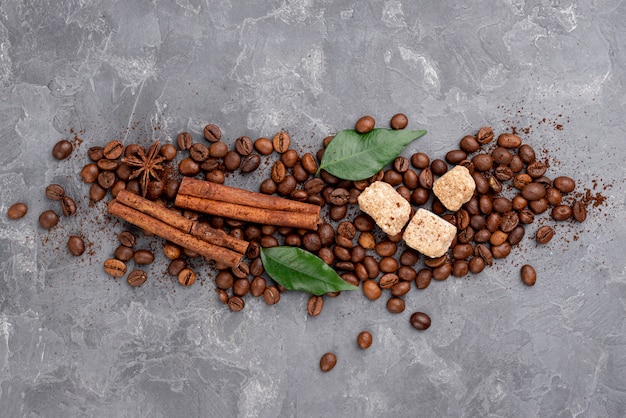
point(197, 229)
point(244, 205)
point(210, 251)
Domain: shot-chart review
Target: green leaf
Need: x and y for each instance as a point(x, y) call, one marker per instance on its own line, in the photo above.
point(297, 269)
point(354, 156)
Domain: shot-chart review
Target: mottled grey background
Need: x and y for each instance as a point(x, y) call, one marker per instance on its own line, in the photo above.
point(74, 342)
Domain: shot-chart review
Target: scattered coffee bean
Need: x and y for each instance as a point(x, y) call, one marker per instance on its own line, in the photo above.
point(544, 234)
point(264, 146)
point(136, 278)
point(365, 124)
point(186, 277)
point(364, 339)
point(212, 132)
point(528, 275)
point(55, 192)
point(420, 321)
point(48, 219)
point(236, 303)
point(395, 305)
point(68, 206)
point(143, 257)
point(62, 149)
point(76, 245)
point(399, 121)
point(17, 210)
point(371, 290)
point(315, 305)
point(328, 362)
point(115, 268)
point(281, 142)
point(271, 295)
point(579, 211)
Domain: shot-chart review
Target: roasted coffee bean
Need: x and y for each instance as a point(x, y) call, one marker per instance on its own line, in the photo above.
point(17, 210)
point(188, 167)
point(55, 192)
point(462, 251)
point(376, 177)
point(342, 241)
point(244, 145)
point(526, 216)
point(395, 305)
point(68, 206)
point(236, 303)
point(442, 272)
point(564, 184)
point(401, 164)
point(232, 160)
point(522, 180)
point(218, 149)
point(115, 268)
point(388, 265)
point(328, 362)
point(484, 252)
point(350, 278)
point(363, 223)
point(438, 167)
point(510, 220)
point(503, 173)
point(519, 202)
point(199, 152)
point(176, 266)
point(526, 153)
point(367, 240)
point(406, 273)
point(133, 150)
point(113, 150)
point(257, 287)
point(344, 265)
point(476, 265)
point(494, 184)
point(516, 165)
point(423, 278)
point(402, 287)
point(410, 179)
point(386, 248)
point(184, 141)
point(293, 240)
point(186, 277)
point(62, 149)
point(482, 162)
point(346, 229)
point(224, 280)
point(409, 257)
point(168, 151)
point(455, 156)
point(326, 255)
point(435, 262)
point(392, 177)
point(426, 178)
point(501, 251)
point(95, 153)
point(536, 169)
point(539, 206)
point(123, 171)
point(279, 172)
point(308, 163)
point(486, 204)
point(494, 221)
point(579, 211)
point(361, 272)
point(420, 196)
point(388, 280)
point(501, 155)
point(364, 339)
point(171, 250)
point(281, 142)
point(371, 289)
point(466, 235)
point(143, 257)
point(222, 295)
point(76, 245)
point(462, 219)
point(287, 186)
point(516, 235)
point(314, 186)
point(469, 144)
point(371, 266)
point(498, 238)
point(485, 135)
point(357, 254)
point(554, 196)
point(482, 184)
point(241, 270)
point(97, 193)
point(544, 234)
point(290, 158)
point(460, 268)
point(478, 222)
point(154, 189)
point(89, 173)
point(315, 305)
point(365, 124)
point(48, 219)
point(561, 212)
point(241, 287)
point(502, 205)
point(420, 321)
point(210, 164)
point(299, 173)
point(311, 241)
point(341, 253)
point(533, 191)
point(268, 186)
point(212, 132)
point(256, 267)
point(399, 121)
point(339, 196)
point(528, 275)
point(264, 146)
point(136, 278)
point(251, 163)
point(271, 295)
point(420, 160)
point(482, 235)
point(123, 253)
point(326, 234)
point(106, 179)
point(508, 140)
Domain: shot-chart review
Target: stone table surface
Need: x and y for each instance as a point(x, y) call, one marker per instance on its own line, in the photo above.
point(77, 343)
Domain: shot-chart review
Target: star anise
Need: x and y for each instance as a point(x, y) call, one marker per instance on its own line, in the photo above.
point(146, 165)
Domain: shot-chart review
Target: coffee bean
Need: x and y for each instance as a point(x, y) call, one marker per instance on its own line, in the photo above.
point(526, 216)
point(528, 275)
point(420, 321)
point(498, 238)
point(89, 173)
point(426, 178)
point(423, 278)
point(76, 245)
point(308, 163)
point(55, 192)
point(388, 280)
point(184, 141)
point(508, 140)
point(501, 251)
point(250, 163)
point(539, 206)
point(516, 235)
point(420, 160)
point(484, 252)
point(108, 165)
point(339, 196)
point(271, 295)
point(186, 277)
point(315, 305)
point(386, 248)
point(564, 184)
point(482, 162)
point(136, 278)
point(371, 289)
point(244, 145)
point(561, 212)
point(482, 184)
point(212, 132)
point(544, 234)
point(106, 179)
point(311, 241)
point(462, 251)
point(460, 268)
point(455, 156)
point(392, 177)
point(396, 305)
point(241, 287)
point(17, 210)
point(224, 280)
point(502, 205)
point(68, 206)
point(536, 169)
point(526, 153)
point(328, 362)
point(188, 167)
point(579, 210)
point(399, 121)
point(232, 160)
point(364, 339)
point(113, 150)
point(264, 146)
point(485, 135)
point(476, 265)
point(199, 152)
point(519, 202)
point(486, 204)
point(48, 219)
point(127, 238)
point(114, 267)
point(469, 144)
point(503, 173)
point(97, 193)
point(510, 220)
point(62, 149)
point(236, 303)
point(257, 287)
point(501, 155)
point(533, 191)
point(281, 142)
point(143, 257)
point(442, 272)
point(365, 124)
point(438, 167)
point(95, 153)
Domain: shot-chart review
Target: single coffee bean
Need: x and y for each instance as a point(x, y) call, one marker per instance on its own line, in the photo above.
point(106, 179)
point(435, 261)
point(241, 270)
point(501, 155)
point(494, 184)
point(328, 362)
point(168, 151)
point(339, 196)
point(399, 121)
point(386, 248)
point(536, 169)
point(469, 144)
point(533, 191)
point(442, 272)
point(326, 234)
point(199, 152)
point(486, 204)
point(17, 210)
point(579, 211)
point(510, 220)
point(68, 206)
point(241, 287)
point(426, 178)
point(244, 145)
point(250, 163)
point(55, 192)
point(476, 265)
point(136, 278)
point(113, 150)
point(460, 268)
point(48, 219)
point(498, 238)
point(528, 275)
point(519, 202)
point(502, 205)
point(396, 305)
point(308, 163)
point(107, 164)
point(184, 141)
point(526, 216)
point(186, 277)
point(62, 149)
point(364, 339)
point(188, 167)
point(501, 251)
point(176, 266)
point(212, 132)
point(484, 252)
point(561, 212)
point(503, 173)
point(564, 184)
point(420, 160)
point(281, 142)
point(264, 146)
point(508, 140)
point(236, 303)
point(127, 238)
point(97, 193)
point(388, 280)
point(554, 196)
point(544, 234)
point(516, 235)
point(232, 160)
point(423, 278)
point(526, 153)
point(271, 295)
point(462, 251)
point(484, 135)
point(346, 229)
point(257, 287)
point(392, 177)
point(315, 305)
point(312, 241)
point(224, 280)
point(290, 158)
point(95, 153)
point(115, 268)
point(171, 250)
point(482, 184)
point(455, 156)
point(365, 124)
point(371, 289)
point(438, 167)
point(420, 321)
point(143, 257)
point(89, 173)
point(539, 206)
point(482, 235)
point(410, 179)
point(76, 245)
point(482, 162)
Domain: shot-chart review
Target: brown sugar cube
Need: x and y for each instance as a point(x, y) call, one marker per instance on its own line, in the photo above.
point(429, 234)
point(455, 188)
point(386, 206)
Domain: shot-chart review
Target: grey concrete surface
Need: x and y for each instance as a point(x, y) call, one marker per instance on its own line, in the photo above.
point(76, 343)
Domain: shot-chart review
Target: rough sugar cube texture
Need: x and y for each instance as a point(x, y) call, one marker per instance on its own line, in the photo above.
point(429, 234)
point(455, 188)
point(387, 207)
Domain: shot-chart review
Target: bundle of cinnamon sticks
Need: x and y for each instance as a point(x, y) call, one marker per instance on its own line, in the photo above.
point(213, 199)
